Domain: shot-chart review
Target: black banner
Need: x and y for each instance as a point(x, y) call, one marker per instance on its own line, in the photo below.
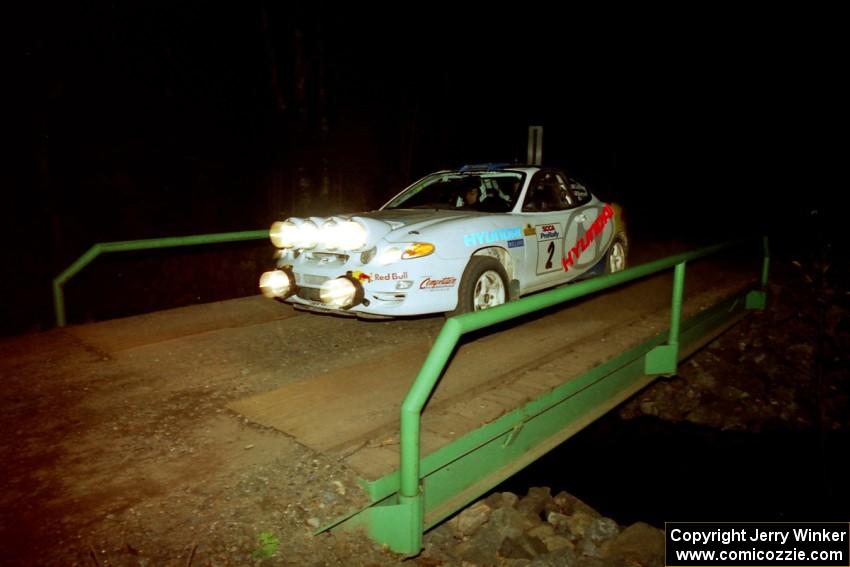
point(762, 544)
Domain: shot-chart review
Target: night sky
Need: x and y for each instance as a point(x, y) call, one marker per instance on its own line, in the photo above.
point(158, 120)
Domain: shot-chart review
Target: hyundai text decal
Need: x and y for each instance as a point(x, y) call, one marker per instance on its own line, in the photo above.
point(489, 237)
point(584, 242)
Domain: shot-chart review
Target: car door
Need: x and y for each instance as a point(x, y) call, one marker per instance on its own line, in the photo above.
point(588, 231)
point(547, 212)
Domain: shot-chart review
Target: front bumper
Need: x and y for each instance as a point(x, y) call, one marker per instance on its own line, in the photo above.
point(409, 287)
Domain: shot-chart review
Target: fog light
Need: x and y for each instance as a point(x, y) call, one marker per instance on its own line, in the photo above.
point(276, 283)
point(343, 292)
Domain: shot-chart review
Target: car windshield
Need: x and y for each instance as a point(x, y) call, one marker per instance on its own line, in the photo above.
point(489, 192)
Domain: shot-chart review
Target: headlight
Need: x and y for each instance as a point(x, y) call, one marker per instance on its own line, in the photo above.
point(341, 292)
point(276, 283)
point(390, 255)
point(284, 234)
point(351, 235)
point(417, 250)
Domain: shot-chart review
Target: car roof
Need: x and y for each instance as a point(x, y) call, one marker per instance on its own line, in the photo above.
point(490, 167)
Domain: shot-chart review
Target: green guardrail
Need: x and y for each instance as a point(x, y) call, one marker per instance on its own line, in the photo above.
point(131, 245)
point(406, 533)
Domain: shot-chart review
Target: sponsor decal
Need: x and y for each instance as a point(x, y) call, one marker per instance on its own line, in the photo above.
point(431, 284)
point(548, 232)
point(584, 242)
point(516, 243)
point(390, 276)
point(491, 236)
point(529, 231)
point(361, 277)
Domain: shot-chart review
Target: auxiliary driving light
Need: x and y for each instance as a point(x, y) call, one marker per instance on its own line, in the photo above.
point(283, 234)
point(343, 292)
point(277, 283)
point(308, 235)
point(351, 235)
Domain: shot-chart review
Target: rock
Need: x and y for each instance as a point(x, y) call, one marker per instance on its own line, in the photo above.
point(511, 549)
point(579, 523)
point(481, 548)
point(559, 521)
point(589, 548)
point(602, 529)
point(560, 558)
point(523, 547)
point(313, 522)
point(473, 518)
point(536, 500)
point(502, 500)
point(558, 543)
point(648, 408)
point(639, 543)
point(509, 522)
point(542, 531)
point(567, 504)
point(564, 502)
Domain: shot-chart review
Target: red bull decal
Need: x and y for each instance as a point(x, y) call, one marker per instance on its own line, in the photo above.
point(437, 283)
point(584, 243)
point(390, 276)
point(361, 277)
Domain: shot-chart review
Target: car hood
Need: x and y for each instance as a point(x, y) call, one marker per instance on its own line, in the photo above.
point(404, 224)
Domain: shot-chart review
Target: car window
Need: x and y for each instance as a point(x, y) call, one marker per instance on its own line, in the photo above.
point(548, 191)
point(580, 193)
point(494, 192)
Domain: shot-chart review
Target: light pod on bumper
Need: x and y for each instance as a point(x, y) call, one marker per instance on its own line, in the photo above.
point(278, 283)
point(343, 292)
point(351, 235)
point(308, 235)
point(284, 234)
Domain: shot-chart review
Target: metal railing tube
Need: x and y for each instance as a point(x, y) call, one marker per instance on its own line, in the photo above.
point(129, 245)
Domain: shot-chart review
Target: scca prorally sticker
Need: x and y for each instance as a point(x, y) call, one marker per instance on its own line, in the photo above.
point(583, 243)
point(435, 284)
point(549, 232)
point(491, 236)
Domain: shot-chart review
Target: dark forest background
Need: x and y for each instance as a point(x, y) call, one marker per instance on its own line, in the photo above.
point(133, 121)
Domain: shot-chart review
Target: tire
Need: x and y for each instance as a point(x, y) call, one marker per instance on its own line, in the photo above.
point(481, 273)
point(616, 260)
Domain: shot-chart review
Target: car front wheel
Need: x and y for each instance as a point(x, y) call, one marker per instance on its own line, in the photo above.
point(483, 285)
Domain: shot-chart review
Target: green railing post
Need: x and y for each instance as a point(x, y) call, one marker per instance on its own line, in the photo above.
point(765, 262)
point(129, 245)
point(664, 359)
point(59, 303)
point(757, 299)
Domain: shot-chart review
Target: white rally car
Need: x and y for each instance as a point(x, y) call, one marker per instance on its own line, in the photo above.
point(454, 241)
